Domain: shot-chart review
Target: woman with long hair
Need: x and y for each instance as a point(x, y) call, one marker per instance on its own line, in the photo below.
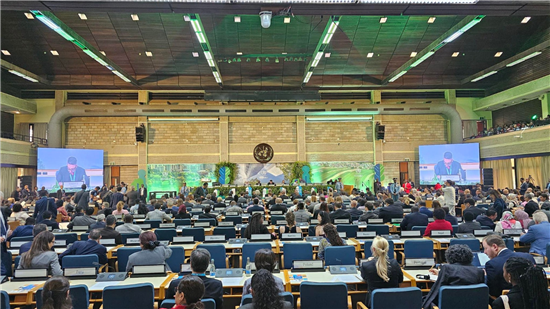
point(529, 286)
point(265, 259)
point(256, 226)
point(182, 213)
point(380, 271)
point(331, 239)
point(41, 255)
point(324, 218)
point(189, 293)
point(498, 203)
point(290, 227)
point(120, 209)
point(265, 293)
point(523, 218)
point(55, 294)
point(152, 252)
point(322, 207)
point(507, 222)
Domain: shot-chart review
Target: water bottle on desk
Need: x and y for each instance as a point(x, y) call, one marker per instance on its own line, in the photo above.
point(248, 268)
point(212, 268)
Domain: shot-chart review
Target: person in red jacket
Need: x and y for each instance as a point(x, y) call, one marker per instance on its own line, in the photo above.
point(439, 224)
point(437, 186)
point(407, 186)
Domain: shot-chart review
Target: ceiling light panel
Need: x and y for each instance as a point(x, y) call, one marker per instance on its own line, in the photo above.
point(237, 19)
point(498, 54)
point(413, 54)
point(383, 20)
point(287, 20)
point(431, 20)
point(82, 16)
point(135, 17)
point(195, 54)
point(370, 55)
point(29, 15)
point(54, 52)
point(525, 19)
point(149, 54)
point(6, 52)
point(455, 54)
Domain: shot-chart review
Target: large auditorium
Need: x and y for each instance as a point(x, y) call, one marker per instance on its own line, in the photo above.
point(275, 154)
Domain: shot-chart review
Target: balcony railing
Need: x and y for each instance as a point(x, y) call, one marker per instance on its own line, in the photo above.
point(25, 138)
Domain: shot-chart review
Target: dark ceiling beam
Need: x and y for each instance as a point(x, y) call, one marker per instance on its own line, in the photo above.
point(430, 49)
point(10, 66)
point(502, 65)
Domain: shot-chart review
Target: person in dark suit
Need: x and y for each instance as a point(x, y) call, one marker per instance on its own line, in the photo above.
point(202, 192)
point(207, 214)
point(100, 224)
point(108, 232)
point(60, 192)
point(106, 198)
point(353, 211)
point(414, 219)
point(470, 205)
point(23, 230)
point(496, 250)
point(450, 218)
point(469, 226)
point(458, 271)
point(392, 210)
point(529, 286)
point(16, 194)
point(44, 204)
point(89, 246)
point(449, 167)
point(339, 213)
point(213, 288)
point(488, 219)
point(255, 207)
point(531, 205)
point(72, 173)
point(82, 198)
point(369, 214)
point(117, 197)
point(37, 229)
point(142, 193)
point(47, 216)
point(391, 272)
point(279, 206)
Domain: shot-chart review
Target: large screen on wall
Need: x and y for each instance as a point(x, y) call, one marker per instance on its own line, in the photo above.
point(456, 162)
point(69, 167)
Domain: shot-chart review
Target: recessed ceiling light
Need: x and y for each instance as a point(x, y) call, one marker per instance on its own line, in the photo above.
point(54, 52)
point(195, 54)
point(369, 55)
point(498, 54)
point(237, 19)
point(431, 20)
point(103, 53)
point(525, 20)
point(5, 52)
point(135, 17)
point(327, 55)
point(383, 20)
point(82, 16)
point(239, 53)
point(413, 54)
point(17, 112)
point(149, 54)
point(29, 15)
point(455, 54)
point(186, 18)
point(284, 53)
point(287, 20)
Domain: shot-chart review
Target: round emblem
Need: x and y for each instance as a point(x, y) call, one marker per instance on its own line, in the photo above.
point(263, 153)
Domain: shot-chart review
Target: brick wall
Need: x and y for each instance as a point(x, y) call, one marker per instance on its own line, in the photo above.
point(128, 174)
point(262, 132)
point(184, 133)
point(328, 132)
point(98, 131)
point(415, 127)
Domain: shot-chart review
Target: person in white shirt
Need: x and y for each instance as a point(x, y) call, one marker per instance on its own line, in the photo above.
point(449, 195)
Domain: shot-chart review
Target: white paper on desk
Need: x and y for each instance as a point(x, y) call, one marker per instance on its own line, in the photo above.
point(346, 279)
point(102, 285)
point(433, 277)
point(444, 240)
point(231, 281)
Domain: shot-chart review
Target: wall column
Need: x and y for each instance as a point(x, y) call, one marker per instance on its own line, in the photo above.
point(143, 96)
point(545, 101)
point(224, 139)
point(376, 96)
point(301, 138)
point(60, 99)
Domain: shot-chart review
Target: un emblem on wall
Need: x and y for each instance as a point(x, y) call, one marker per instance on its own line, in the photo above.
point(263, 153)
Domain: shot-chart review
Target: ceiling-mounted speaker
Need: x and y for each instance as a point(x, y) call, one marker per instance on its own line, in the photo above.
point(140, 134)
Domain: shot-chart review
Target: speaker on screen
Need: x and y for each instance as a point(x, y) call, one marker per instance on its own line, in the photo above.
point(487, 177)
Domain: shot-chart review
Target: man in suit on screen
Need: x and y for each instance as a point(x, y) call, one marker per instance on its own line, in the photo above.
point(72, 173)
point(449, 167)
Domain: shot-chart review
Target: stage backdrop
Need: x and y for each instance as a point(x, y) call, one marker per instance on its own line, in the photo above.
point(169, 177)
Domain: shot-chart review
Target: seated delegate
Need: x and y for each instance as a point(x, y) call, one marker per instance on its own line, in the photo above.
point(152, 252)
point(41, 255)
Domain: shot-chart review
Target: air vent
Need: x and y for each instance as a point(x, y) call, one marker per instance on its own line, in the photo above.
point(169, 96)
point(95, 110)
point(84, 96)
point(419, 109)
point(315, 110)
point(181, 110)
point(124, 110)
point(345, 96)
point(262, 111)
point(470, 93)
point(413, 95)
point(208, 111)
point(37, 94)
point(235, 110)
point(153, 110)
point(341, 110)
point(393, 109)
point(289, 110)
point(367, 109)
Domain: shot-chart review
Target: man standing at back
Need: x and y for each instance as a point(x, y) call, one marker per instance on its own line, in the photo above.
point(449, 194)
point(394, 189)
point(82, 197)
point(117, 197)
point(44, 204)
point(202, 191)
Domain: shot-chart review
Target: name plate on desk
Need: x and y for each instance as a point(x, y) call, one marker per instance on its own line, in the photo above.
point(392, 237)
point(465, 236)
point(440, 233)
point(313, 238)
point(167, 225)
point(410, 234)
point(59, 231)
point(202, 224)
point(257, 212)
point(396, 220)
point(142, 216)
point(512, 232)
point(341, 221)
point(118, 217)
point(482, 232)
point(281, 222)
point(431, 220)
point(406, 210)
point(459, 219)
point(214, 238)
point(419, 262)
point(60, 243)
point(291, 236)
point(307, 265)
point(17, 244)
point(181, 227)
point(80, 228)
point(368, 234)
point(314, 221)
point(226, 223)
point(375, 221)
point(219, 208)
point(80, 272)
point(107, 241)
point(148, 270)
point(302, 224)
point(49, 227)
point(246, 216)
point(240, 226)
point(118, 276)
point(342, 234)
point(539, 259)
point(232, 213)
point(144, 226)
point(32, 273)
point(237, 240)
point(229, 272)
point(132, 241)
point(183, 239)
point(256, 237)
point(342, 269)
point(277, 212)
